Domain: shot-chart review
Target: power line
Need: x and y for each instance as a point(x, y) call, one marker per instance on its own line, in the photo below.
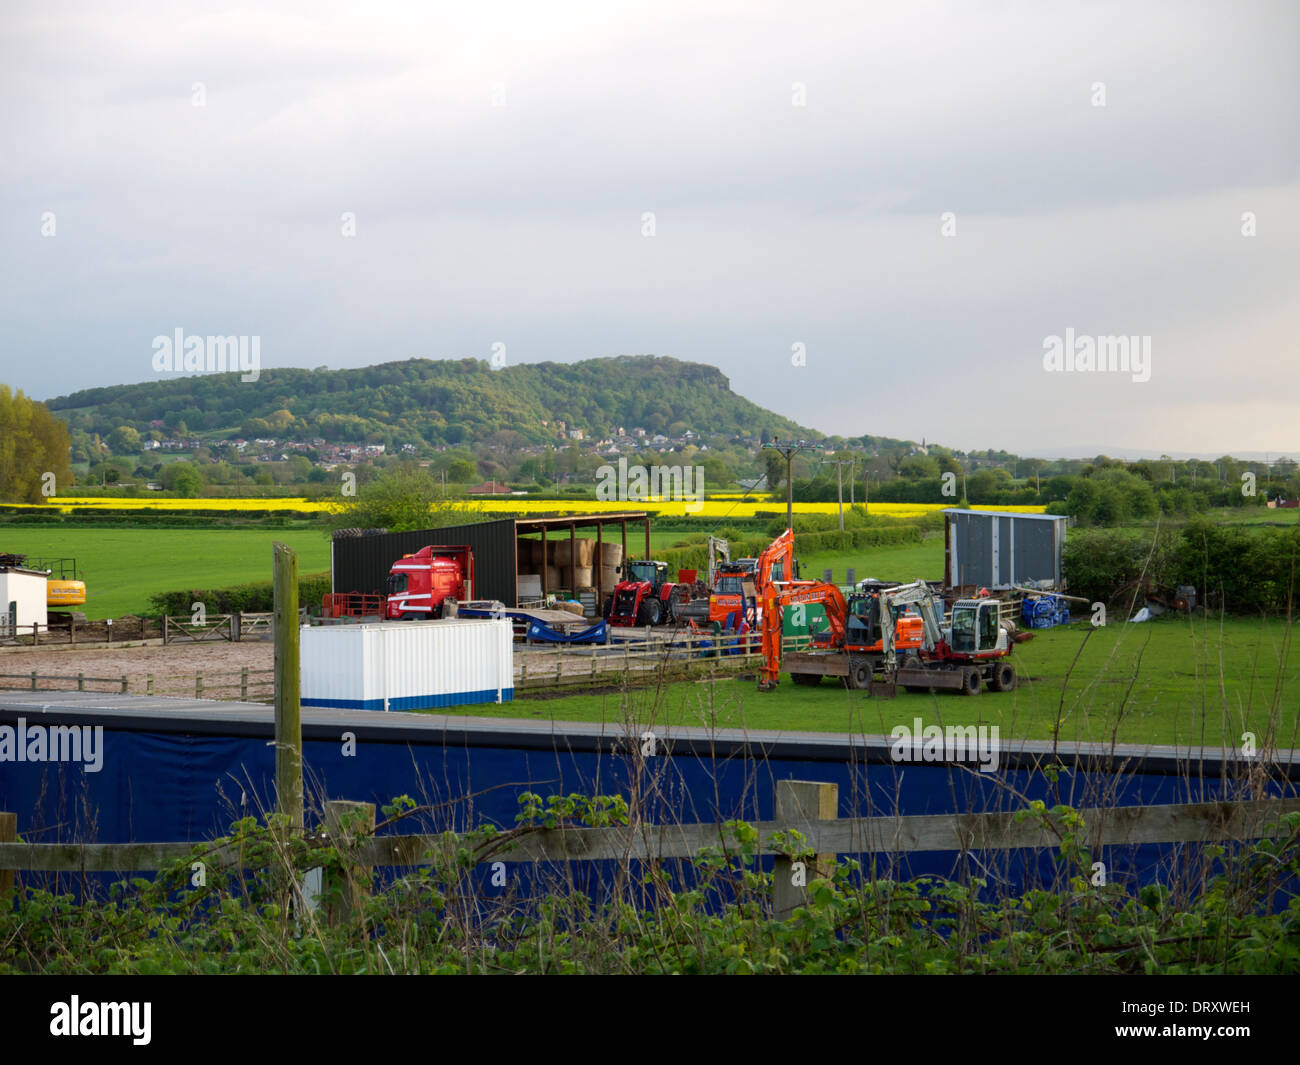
point(789, 450)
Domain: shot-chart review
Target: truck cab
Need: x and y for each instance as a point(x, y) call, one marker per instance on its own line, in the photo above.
point(420, 583)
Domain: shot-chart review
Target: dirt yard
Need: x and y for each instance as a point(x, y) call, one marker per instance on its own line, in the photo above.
point(173, 668)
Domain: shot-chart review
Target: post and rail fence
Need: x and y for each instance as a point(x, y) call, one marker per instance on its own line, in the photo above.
point(808, 808)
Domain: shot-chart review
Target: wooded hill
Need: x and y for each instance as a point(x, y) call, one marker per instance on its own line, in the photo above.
point(427, 402)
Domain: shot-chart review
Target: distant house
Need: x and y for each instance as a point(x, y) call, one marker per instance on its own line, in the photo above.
point(488, 488)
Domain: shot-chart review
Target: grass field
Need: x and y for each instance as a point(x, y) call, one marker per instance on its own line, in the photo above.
point(1166, 681)
point(123, 567)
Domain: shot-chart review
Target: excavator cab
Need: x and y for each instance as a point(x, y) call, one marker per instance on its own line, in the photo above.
point(975, 628)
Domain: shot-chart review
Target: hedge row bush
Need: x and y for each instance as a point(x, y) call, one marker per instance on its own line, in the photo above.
point(256, 598)
point(1238, 570)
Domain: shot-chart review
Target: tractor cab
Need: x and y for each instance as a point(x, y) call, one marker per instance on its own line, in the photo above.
point(653, 573)
point(976, 628)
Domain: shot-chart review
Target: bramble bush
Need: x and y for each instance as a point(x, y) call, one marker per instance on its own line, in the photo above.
point(249, 916)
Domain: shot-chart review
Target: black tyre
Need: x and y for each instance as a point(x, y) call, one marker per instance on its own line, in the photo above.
point(970, 681)
point(807, 679)
point(914, 662)
point(859, 678)
point(1004, 677)
point(651, 612)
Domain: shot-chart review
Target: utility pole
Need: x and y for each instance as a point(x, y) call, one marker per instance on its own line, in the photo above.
point(853, 467)
point(839, 487)
point(788, 451)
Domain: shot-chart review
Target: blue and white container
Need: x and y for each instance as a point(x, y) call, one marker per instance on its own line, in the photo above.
point(408, 665)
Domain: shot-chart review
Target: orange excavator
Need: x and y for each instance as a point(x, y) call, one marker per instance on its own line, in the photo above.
point(775, 599)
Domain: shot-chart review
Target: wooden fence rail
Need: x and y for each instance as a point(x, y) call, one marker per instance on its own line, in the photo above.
point(563, 664)
point(1176, 823)
point(245, 681)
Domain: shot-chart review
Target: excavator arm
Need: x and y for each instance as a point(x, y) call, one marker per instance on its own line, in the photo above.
point(779, 550)
point(775, 599)
point(916, 594)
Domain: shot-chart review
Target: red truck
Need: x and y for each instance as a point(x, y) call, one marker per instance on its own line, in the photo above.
point(418, 585)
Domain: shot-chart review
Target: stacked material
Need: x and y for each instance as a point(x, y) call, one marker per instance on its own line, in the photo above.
point(1045, 611)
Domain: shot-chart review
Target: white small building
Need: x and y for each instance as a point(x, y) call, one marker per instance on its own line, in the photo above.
point(22, 598)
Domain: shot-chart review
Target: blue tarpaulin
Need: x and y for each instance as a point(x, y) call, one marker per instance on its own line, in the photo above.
point(598, 633)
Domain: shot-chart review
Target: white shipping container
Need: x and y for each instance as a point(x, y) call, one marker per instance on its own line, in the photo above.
point(408, 665)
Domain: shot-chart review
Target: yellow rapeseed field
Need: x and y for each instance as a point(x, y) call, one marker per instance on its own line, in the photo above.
point(709, 508)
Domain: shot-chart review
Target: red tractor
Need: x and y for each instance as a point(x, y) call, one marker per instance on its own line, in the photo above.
point(645, 596)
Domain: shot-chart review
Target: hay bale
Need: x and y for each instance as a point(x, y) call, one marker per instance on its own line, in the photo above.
point(580, 577)
point(611, 554)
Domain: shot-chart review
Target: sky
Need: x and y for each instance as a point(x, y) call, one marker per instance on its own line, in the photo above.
point(873, 218)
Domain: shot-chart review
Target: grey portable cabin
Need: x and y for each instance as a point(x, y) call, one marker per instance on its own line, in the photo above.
point(998, 549)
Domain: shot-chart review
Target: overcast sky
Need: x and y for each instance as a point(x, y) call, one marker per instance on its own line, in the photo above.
point(500, 159)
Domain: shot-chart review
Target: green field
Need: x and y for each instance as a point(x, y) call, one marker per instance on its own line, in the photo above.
point(122, 567)
point(1166, 681)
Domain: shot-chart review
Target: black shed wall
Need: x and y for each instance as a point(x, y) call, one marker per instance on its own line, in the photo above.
point(361, 563)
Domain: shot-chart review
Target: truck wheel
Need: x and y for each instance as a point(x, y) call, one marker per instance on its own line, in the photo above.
point(651, 612)
point(970, 681)
point(807, 679)
point(1004, 677)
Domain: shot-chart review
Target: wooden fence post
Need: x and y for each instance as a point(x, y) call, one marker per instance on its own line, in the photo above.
point(81, 682)
point(148, 684)
point(345, 828)
point(801, 801)
point(8, 834)
point(288, 706)
point(198, 685)
point(243, 685)
point(123, 683)
point(33, 680)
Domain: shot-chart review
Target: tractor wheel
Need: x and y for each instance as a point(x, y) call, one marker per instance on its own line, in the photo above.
point(651, 612)
point(1004, 677)
point(970, 681)
point(807, 679)
point(410, 615)
point(670, 615)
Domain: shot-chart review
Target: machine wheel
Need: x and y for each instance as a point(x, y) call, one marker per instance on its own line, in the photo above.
point(808, 679)
point(859, 678)
point(409, 615)
point(913, 662)
point(970, 681)
point(1004, 677)
point(651, 612)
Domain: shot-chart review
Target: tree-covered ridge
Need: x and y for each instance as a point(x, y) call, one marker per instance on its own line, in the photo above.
point(431, 402)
